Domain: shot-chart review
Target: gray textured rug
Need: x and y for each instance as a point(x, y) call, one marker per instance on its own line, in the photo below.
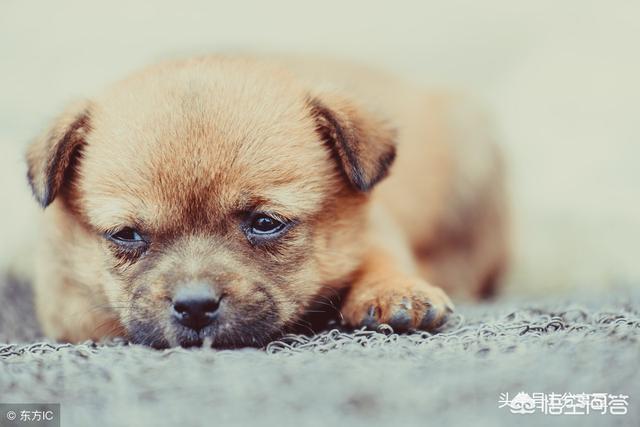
point(585, 344)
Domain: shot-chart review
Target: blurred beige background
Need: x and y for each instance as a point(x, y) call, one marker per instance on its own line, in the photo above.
point(562, 78)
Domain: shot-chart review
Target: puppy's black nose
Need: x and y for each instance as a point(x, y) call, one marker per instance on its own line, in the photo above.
point(195, 307)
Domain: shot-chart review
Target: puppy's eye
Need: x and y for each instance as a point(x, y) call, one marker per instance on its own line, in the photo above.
point(263, 225)
point(127, 237)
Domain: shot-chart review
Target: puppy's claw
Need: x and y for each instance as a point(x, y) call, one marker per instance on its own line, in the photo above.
point(428, 318)
point(370, 321)
point(431, 320)
point(400, 320)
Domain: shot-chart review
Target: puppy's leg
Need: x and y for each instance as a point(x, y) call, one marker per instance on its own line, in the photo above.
point(383, 293)
point(388, 288)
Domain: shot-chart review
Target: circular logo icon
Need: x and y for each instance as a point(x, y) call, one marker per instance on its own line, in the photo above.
point(11, 415)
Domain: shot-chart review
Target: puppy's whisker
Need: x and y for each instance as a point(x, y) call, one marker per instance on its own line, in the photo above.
point(304, 325)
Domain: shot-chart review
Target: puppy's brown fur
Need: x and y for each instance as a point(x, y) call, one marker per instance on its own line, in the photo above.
point(185, 151)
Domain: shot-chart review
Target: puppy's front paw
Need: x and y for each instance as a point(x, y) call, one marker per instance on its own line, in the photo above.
point(403, 304)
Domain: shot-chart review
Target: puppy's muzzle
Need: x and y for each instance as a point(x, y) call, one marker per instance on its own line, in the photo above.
point(195, 306)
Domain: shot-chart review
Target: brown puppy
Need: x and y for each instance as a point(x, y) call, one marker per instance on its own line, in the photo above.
point(217, 199)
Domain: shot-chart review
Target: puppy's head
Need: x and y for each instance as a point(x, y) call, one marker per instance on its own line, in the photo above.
point(210, 200)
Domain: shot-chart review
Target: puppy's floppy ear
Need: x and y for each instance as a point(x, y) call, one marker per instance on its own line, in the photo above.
point(49, 157)
point(362, 144)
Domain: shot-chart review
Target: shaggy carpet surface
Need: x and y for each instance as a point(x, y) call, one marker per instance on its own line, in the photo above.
point(570, 344)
